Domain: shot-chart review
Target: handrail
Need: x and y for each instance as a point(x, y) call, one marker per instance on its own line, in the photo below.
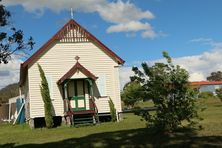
point(95, 108)
point(93, 105)
point(140, 109)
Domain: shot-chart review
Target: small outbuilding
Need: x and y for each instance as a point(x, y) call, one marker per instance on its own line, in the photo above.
point(207, 86)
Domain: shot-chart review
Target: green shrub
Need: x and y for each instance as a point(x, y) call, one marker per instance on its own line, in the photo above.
point(206, 95)
point(112, 110)
point(46, 99)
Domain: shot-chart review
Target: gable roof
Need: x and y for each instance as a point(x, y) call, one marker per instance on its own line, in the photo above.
point(61, 36)
point(73, 70)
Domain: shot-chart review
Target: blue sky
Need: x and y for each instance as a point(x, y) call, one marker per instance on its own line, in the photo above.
point(137, 30)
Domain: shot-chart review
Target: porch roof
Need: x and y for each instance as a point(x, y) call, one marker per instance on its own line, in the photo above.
point(73, 70)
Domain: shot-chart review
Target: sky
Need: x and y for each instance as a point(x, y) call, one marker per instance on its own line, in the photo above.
point(136, 30)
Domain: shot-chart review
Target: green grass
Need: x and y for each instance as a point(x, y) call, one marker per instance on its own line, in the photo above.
point(131, 132)
point(145, 104)
point(212, 116)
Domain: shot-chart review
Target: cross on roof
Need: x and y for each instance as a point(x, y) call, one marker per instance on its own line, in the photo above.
point(77, 58)
point(71, 11)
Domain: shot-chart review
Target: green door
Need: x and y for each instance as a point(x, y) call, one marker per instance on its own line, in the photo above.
point(78, 101)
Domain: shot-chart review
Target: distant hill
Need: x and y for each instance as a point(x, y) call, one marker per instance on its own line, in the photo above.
point(9, 91)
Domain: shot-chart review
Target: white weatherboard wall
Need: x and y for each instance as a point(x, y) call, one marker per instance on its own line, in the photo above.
point(102, 104)
point(58, 60)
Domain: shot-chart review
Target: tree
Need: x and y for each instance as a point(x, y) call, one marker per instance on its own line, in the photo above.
point(11, 41)
point(215, 76)
point(168, 87)
point(46, 99)
point(132, 93)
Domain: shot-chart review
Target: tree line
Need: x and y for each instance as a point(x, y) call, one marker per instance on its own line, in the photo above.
point(9, 91)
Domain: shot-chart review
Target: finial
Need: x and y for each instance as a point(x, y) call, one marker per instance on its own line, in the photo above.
point(71, 11)
point(77, 58)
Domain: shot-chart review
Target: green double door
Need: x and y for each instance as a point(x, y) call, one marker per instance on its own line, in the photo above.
point(77, 89)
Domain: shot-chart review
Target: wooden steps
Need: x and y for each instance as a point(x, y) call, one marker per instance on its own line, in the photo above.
point(83, 120)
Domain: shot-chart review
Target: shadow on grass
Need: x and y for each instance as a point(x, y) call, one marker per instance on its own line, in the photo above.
point(133, 138)
point(218, 105)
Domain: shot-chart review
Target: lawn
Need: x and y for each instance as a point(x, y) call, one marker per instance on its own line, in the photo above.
point(131, 132)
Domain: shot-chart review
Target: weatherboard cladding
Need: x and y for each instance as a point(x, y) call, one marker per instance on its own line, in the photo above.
point(56, 58)
point(68, 33)
point(51, 66)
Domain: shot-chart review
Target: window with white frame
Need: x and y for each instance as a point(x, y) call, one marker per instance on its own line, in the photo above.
point(101, 84)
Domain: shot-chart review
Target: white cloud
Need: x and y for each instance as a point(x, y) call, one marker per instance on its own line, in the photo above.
point(149, 34)
point(120, 12)
point(132, 26)
point(196, 76)
point(198, 66)
point(56, 5)
point(10, 72)
point(202, 65)
point(126, 17)
point(202, 40)
point(207, 41)
point(125, 73)
point(123, 16)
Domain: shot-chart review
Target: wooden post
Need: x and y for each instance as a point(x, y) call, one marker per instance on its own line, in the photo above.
point(117, 116)
point(66, 97)
point(9, 113)
point(92, 99)
point(31, 123)
point(65, 89)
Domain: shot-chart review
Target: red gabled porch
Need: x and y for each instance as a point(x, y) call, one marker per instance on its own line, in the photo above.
point(78, 94)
